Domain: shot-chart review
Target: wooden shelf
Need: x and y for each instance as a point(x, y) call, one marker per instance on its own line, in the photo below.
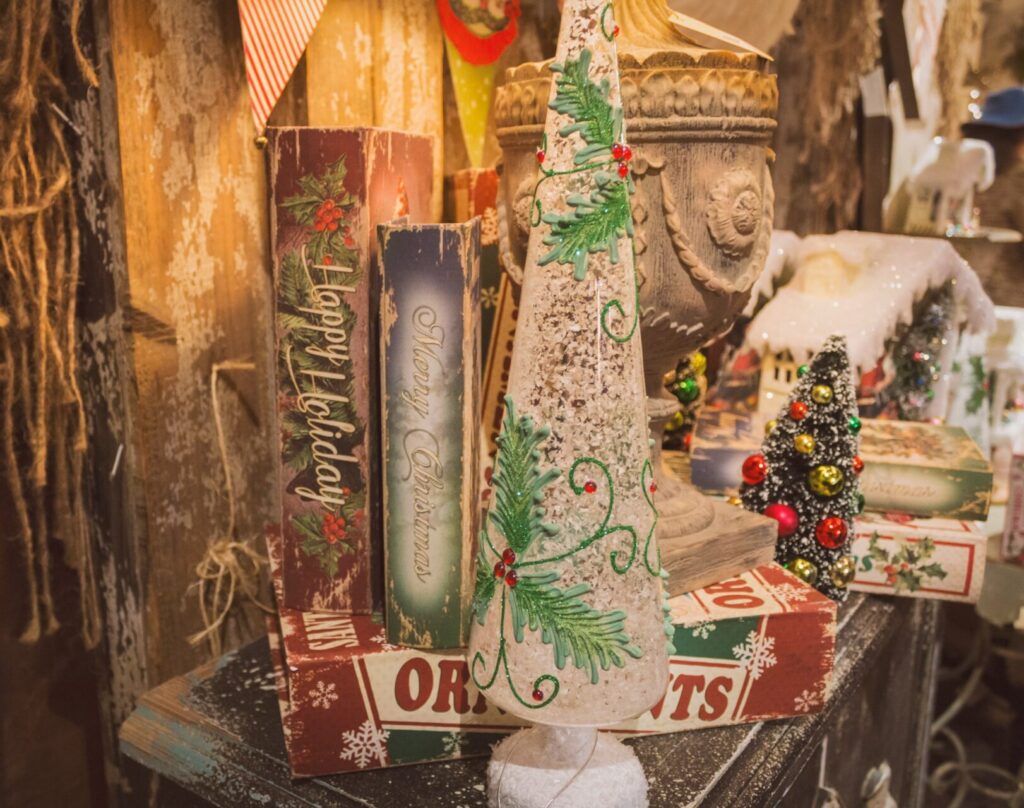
point(214, 736)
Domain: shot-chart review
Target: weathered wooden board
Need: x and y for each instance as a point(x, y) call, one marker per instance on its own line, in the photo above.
point(379, 63)
point(736, 542)
point(216, 733)
point(196, 291)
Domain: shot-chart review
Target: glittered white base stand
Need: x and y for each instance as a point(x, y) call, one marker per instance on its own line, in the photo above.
point(532, 767)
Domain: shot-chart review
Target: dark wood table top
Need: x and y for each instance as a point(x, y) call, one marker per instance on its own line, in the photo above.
point(216, 733)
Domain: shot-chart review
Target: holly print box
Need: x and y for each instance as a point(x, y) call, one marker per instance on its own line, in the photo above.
point(756, 647)
point(942, 559)
point(329, 190)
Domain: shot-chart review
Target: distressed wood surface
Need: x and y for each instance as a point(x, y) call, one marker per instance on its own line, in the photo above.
point(216, 733)
point(736, 541)
point(195, 291)
point(380, 63)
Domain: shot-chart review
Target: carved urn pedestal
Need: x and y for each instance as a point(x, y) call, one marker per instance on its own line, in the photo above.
point(699, 123)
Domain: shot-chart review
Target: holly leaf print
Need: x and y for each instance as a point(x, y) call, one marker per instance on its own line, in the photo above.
point(932, 571)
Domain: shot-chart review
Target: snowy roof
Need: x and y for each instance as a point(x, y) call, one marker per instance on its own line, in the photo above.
point(885, 276)
point(784, 247)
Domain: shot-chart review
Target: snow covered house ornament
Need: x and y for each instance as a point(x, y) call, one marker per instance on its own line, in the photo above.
point(869, 288)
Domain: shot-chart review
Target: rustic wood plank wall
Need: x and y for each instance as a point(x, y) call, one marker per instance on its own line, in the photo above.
point(380, 63)
point(176, 277)
point(198, 292)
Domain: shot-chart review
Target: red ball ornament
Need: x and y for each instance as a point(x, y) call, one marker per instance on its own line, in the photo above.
point(512, 578)
point(540, 155)
point(786, 516)
point(755, 469)
point(509, 556)
point(627, 154)
point(858, 464)
point(831, 532)
point(538, 694)
point(590, 486)
point(617, 151)
point(499, 570)
point(652, 487)
point(797, 410)
point(623, 170)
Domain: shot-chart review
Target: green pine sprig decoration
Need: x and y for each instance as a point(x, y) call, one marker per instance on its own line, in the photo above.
point(586, 102)
point(486, 583)
point(594, 225)
point(591, 638)
point(519, 483)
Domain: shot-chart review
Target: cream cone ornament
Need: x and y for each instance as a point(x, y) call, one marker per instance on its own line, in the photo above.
point(570, 627)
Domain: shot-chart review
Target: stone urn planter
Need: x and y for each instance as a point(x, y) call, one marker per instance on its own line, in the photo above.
point(699, 123)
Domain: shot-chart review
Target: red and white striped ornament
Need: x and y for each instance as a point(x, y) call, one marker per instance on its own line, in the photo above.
point(274, 34)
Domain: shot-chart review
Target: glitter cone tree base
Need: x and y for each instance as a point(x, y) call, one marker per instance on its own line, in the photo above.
point(570, 768)
point(806, 474)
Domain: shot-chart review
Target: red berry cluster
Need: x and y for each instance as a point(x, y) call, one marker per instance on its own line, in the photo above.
point(327, 216)
point(503, 569)
point(334, 528)
point(623, 154)
point(891, 570)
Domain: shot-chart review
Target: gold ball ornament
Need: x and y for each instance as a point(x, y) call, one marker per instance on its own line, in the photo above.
point(842, 571)
point(698, 363)
point(821, 394)
point(803, 569)
point(825, 481)
point(770, 426)
point(804, 443)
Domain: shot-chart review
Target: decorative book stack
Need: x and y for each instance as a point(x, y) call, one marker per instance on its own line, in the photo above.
point(329, 189)
point(430, 370)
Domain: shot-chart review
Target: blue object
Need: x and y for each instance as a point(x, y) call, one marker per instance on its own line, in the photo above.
point(1004, 109)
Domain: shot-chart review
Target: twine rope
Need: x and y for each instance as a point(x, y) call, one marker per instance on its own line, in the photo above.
point(41, 409)
point(230, 566)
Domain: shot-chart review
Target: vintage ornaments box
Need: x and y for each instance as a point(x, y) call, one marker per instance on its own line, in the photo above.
point(756, 647)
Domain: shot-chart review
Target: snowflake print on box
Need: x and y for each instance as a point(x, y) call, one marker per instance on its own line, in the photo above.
point(755, 654)
point(805, 476)
point(323, 694)
point(365, 745)
point(807, 701)
point(701, 629)
point(569, 625)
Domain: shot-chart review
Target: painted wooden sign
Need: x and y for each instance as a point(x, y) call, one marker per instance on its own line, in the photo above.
point(329, 189)
point(430, 369)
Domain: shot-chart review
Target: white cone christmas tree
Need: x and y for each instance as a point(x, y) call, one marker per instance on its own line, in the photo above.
point(806, 474)
point(569, 625)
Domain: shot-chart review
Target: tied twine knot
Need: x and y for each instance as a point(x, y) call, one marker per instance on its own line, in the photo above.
point(230, 566)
